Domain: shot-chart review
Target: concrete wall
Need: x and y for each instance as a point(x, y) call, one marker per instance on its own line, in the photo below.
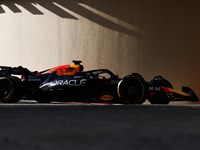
point(152, 37)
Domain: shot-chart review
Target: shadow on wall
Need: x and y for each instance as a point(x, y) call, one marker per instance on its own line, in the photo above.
point(105, 13)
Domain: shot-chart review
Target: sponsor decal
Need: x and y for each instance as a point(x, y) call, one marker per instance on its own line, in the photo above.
point(68, 82)
point(151, 88)
point(114, 81)
point(107, 97)
point(61, 70)
point(64, 70)
point(34, 79)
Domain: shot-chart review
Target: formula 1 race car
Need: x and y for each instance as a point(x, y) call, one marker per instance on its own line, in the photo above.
point(69, 83)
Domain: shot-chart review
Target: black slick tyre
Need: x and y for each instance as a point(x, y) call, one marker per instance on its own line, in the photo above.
point(10, 89)
point(132, 89)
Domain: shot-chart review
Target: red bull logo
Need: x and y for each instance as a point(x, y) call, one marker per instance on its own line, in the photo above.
point(65, 70)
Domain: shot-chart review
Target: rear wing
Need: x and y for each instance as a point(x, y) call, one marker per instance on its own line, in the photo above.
point(7, 71)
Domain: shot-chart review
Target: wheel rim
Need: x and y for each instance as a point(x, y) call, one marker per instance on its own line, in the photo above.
point(131, 90)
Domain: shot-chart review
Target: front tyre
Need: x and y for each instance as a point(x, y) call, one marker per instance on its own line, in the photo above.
point(159, 80)
point(10, 89)
point(132, 89)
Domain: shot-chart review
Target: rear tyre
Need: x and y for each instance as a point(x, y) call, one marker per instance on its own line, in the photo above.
point(132, 89)
point(10, 89)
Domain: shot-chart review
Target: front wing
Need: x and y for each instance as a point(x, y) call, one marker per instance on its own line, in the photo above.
point(187, 94)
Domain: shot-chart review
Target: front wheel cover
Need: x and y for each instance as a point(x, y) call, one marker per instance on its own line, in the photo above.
point(132, 89)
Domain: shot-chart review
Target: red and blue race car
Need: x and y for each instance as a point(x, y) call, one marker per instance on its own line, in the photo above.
point(69, 83)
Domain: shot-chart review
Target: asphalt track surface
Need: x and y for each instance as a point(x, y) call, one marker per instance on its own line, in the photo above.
point(34, 126)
